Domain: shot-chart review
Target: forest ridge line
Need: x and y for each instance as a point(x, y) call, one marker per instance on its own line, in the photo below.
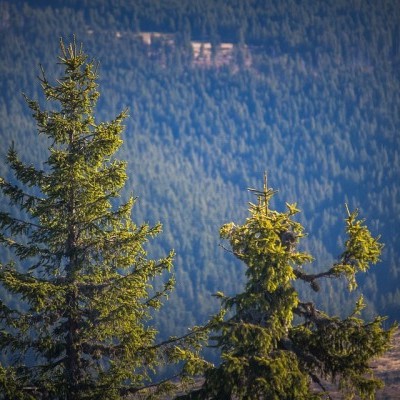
point(202, 50)
point(225, 53)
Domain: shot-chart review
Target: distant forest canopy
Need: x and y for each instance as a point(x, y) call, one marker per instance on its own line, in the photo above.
point(219, 92)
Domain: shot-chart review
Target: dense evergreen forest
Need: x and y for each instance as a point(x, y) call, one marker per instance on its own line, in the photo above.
point(218, 92)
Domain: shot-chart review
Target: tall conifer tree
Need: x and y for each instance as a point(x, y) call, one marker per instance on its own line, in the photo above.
point(88, 292)
point(267, 353)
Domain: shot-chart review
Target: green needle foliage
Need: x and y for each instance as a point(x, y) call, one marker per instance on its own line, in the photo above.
point(267, 353)
point(89, 291)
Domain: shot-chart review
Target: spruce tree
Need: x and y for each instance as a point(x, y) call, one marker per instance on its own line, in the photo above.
point(81, 270)
point(277, 346)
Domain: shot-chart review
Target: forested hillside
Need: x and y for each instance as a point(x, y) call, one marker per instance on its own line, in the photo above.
point(218, 92)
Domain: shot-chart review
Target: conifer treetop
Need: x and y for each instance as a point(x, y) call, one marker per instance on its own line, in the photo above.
point(266, 351)
point(80, 265)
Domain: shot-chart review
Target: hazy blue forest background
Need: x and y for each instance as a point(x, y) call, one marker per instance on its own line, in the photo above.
point(221, 91)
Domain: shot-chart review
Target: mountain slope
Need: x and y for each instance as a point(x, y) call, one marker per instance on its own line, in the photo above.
point(309, 94)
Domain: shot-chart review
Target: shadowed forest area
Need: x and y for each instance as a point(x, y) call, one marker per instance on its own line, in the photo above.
point(219, 92)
